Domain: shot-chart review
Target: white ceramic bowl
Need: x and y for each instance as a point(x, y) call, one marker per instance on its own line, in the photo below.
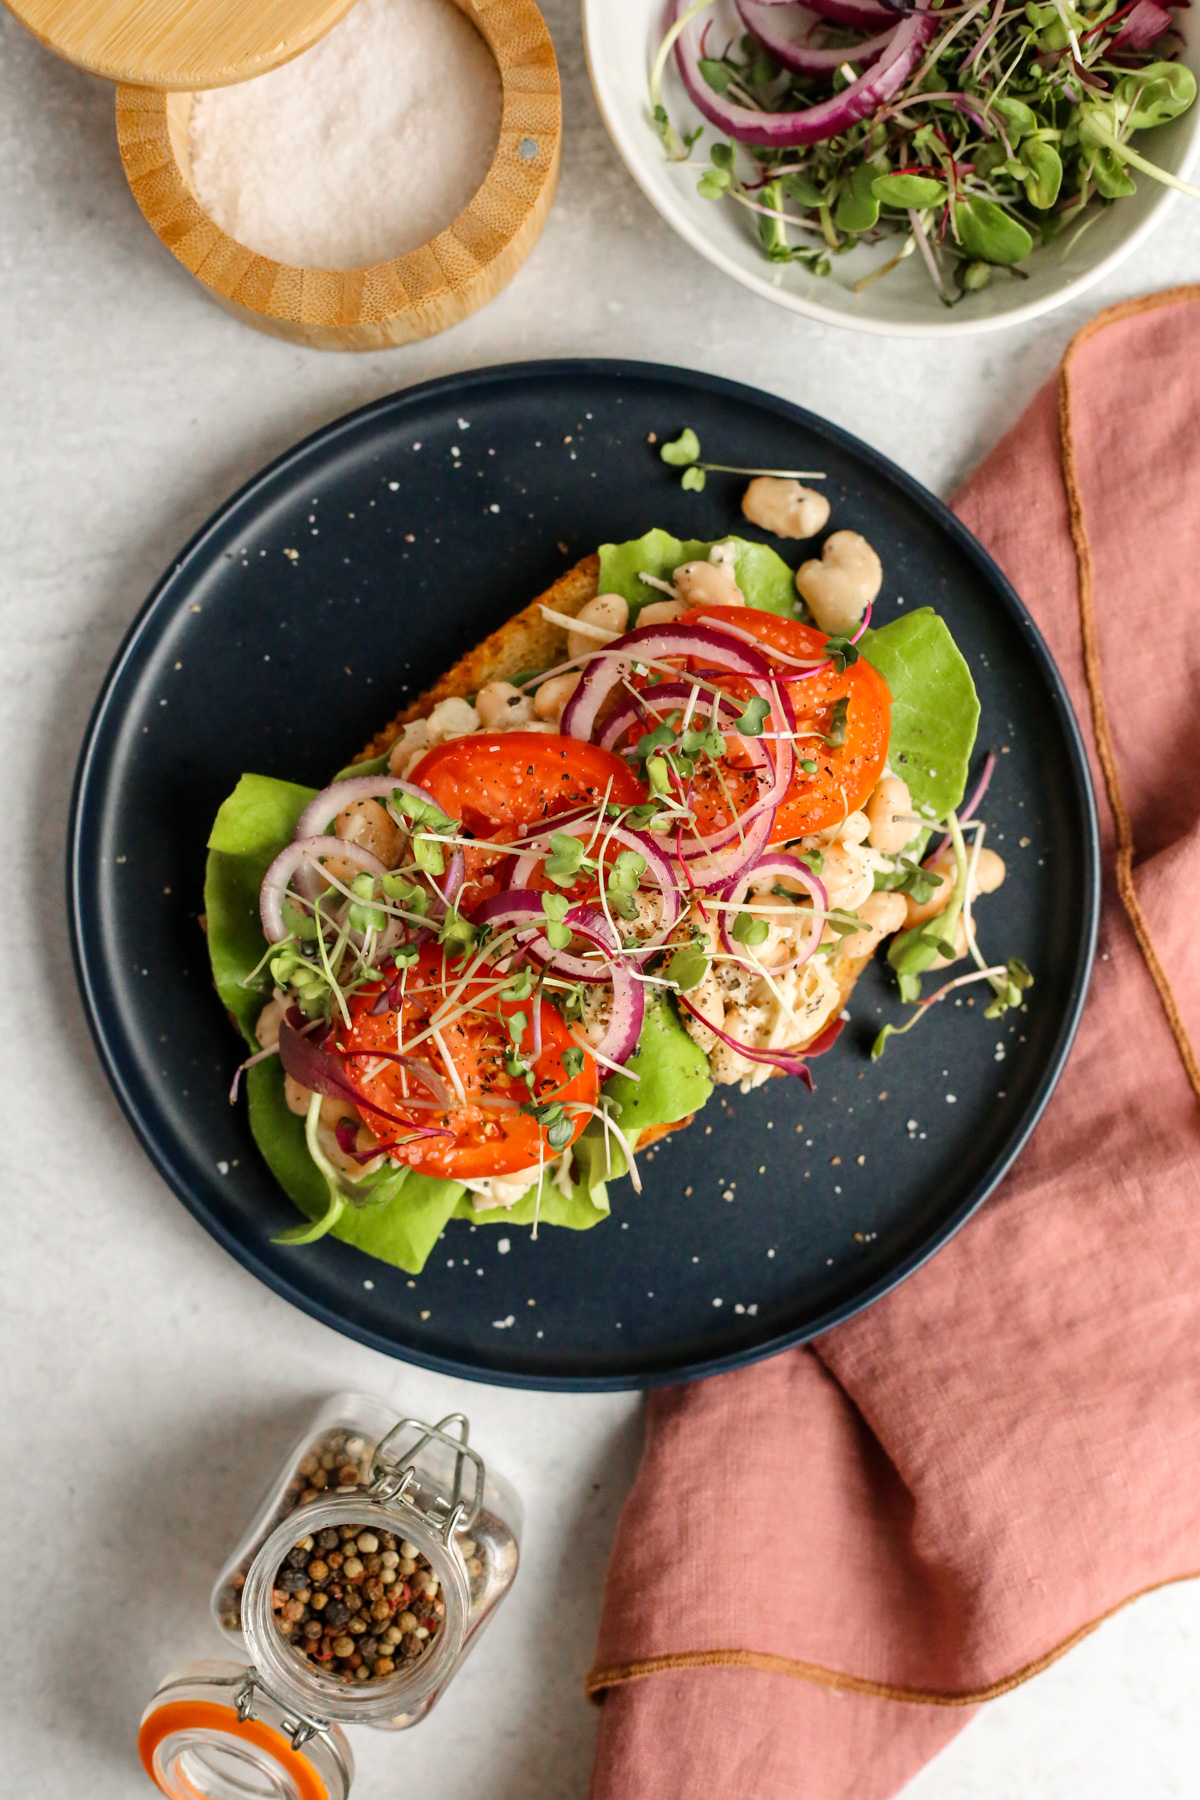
point(621, 38)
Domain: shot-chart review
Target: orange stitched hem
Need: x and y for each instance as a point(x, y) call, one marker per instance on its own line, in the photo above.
point(766, 1664)
point(1091, 662)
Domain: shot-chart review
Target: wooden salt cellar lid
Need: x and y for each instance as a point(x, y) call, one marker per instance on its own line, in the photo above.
point(179, 44)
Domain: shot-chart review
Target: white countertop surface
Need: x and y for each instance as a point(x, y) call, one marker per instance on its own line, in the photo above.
point(151, 1384)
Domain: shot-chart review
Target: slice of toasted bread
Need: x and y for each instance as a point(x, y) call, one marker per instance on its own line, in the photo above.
point(531, 641)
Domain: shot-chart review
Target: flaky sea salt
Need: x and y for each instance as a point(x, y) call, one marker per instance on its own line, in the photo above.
point(361, 149)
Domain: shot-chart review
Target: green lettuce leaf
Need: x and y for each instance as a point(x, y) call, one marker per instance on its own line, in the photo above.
point(762, 575)
point(406, 1212)
point(935, 709)
point(674, 1078)
point(250, 830)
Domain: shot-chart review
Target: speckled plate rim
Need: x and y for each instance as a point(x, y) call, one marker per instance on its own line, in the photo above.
point(83, 907)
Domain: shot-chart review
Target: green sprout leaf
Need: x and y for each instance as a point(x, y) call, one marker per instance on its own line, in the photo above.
point(987, 232)
point(563, 865)
point(835, 737)
point(685, 449)
point(559, 1135)
point(627, 870)
point(1045, 176)
point(693, 480)
point(428, 854)
point(752, 720)
point(718, 75)
point(915, 191)
point(749, 930)
point(801, 188)
point(843, 653)
point(658, 775)
point(1152, 95)
point(858, 204)
point(713, 184)
point(687, 968)
point(1018, 119)
point(572, 1061)
point(408, 894)
point(555, 907)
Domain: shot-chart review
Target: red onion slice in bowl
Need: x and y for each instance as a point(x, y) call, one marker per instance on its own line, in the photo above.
point(859, 15)
point(813, 124)
point(770, 23)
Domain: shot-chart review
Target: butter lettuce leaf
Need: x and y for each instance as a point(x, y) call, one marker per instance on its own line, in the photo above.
point(405, 1213)
point(935, 709)
point(252, 827)
point(763, 576)
point(674, 1078)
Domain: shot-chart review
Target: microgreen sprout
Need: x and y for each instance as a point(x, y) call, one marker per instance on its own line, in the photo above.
point(683, 453)
point(1014, 123)
point(555, 907)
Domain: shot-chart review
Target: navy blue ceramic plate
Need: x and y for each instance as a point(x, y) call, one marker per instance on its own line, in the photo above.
point(351, 573)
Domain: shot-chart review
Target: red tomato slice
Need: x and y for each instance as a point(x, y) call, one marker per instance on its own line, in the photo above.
point(482, 1140)
point(846, 774)
point(500, 783)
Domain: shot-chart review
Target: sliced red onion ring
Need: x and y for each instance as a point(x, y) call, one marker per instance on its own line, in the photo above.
point(332, 800)
point(654, 642)
point(813, 124)
point(790, 1061)
point(708, 869)
point(676, 693)
point(860, 15)
point(770, 23)
point(524, 905)
point(776, 862)
point(658, 866)
point(304, 850)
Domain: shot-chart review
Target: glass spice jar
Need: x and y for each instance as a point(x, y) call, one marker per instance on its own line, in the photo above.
point(377, 1556)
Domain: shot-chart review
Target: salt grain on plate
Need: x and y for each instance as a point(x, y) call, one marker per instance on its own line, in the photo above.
point(362, 149)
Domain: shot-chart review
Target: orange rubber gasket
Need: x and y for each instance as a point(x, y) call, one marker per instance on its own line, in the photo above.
point(185, 1715)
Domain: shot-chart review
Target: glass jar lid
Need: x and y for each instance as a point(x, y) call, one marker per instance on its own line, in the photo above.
point(215, 1731)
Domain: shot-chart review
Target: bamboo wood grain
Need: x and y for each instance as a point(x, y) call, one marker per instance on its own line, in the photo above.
point(178, 43)
point(397, 302)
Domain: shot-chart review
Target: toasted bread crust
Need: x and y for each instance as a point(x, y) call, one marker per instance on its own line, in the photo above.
point(530, 641)
point(526, 641)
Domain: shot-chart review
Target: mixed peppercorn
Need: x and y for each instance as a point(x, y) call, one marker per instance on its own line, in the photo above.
point(356, 1601)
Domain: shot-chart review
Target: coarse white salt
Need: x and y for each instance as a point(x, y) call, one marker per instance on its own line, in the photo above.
point(361, 149)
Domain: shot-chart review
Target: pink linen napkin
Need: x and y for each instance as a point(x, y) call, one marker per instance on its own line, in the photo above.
point(829, 1559)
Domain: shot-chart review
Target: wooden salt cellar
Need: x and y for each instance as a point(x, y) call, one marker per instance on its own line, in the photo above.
point(395, 302)
point(179, 43)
